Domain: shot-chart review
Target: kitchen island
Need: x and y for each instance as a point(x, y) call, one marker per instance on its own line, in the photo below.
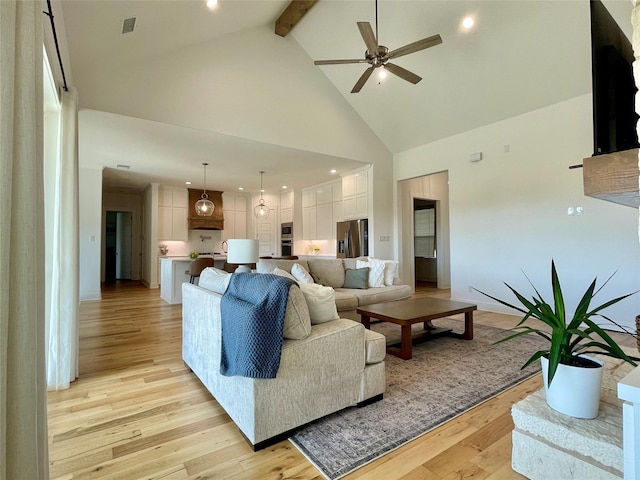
point(174, 271)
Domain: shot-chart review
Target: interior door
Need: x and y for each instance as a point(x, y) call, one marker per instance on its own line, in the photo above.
point(123, 245)
point(266, 233)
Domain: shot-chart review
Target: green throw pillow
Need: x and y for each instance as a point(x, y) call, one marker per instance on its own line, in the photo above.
point(356, 277)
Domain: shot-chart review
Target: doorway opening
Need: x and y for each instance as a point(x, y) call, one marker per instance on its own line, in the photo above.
point(118, 246)
point(425, 243)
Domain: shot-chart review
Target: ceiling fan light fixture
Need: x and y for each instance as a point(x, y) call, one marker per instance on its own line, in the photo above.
point(378, 56)
point(382, 73)
point(204, 206)
point(261, 210)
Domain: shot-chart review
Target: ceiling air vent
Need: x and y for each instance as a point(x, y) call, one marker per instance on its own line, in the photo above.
point(128, 24)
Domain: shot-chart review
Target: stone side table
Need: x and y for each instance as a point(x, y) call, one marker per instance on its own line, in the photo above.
point(548, 444)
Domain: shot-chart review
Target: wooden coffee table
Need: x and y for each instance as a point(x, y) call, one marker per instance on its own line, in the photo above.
point(415, 310)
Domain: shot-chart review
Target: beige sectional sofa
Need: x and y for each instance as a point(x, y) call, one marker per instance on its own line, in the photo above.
point(326, 367)
point(332, 272)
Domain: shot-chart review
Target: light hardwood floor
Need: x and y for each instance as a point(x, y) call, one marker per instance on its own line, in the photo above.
point(136, 412)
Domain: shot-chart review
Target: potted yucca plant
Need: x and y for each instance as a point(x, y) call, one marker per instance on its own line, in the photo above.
point(564, 360)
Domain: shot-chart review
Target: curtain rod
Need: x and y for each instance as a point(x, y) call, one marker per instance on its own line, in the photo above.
point(55, 39)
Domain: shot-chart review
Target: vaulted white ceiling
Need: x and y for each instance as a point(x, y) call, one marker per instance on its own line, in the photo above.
point(192, 85)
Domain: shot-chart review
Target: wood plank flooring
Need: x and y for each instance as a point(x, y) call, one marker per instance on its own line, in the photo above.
point(136, 412)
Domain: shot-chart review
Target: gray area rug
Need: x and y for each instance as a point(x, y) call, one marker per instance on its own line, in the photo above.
point(446, 377)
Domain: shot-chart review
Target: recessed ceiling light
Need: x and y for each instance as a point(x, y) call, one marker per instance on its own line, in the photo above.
point(332, 171)
point(284, 187)
point(212, 3)
point(187, 183)
point(468, 22)
point(240, 188)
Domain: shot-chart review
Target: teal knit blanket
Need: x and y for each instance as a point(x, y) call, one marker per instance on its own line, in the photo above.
point(252, 311)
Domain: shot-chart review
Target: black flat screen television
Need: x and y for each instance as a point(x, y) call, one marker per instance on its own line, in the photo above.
point(614, 116)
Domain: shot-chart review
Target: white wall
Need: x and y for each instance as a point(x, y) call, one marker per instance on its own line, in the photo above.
point(508, 212)
point(150, 237)
point(90, 219)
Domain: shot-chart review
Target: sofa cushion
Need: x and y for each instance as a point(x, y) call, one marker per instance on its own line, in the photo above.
point(375, 347)
point(214, 279)
point(330, 271)
point(350, 262)
point(297, 322)
point(356, 278)
point(376, 271)
point(283, 273)
point(345, 301)
point(379, 295)
point(320, 301)
point(301, 273)
point(267, 265)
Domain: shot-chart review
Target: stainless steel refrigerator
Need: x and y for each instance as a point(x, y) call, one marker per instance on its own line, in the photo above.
point(353, 238)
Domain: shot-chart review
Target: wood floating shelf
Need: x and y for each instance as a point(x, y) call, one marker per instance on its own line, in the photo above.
point(613, 177)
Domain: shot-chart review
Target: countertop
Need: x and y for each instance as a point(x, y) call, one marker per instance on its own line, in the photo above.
point(187, 259)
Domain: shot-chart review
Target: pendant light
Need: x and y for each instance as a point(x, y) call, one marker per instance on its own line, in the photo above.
point(261, 210)
point(204, 206)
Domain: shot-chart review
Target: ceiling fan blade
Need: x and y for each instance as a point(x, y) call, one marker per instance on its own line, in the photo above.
point(369, 38)
point(338, 62)
point(362, 80)
point(403, 73)
point(415, 47)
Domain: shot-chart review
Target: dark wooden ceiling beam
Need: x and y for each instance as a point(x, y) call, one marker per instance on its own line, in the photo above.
point(292, 15)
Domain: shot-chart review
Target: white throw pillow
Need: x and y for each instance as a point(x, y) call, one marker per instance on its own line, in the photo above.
point(390, 271)
point(300, 274)
point(214, 279)
point(283, 273)
point(321, 302)
point(376, 271)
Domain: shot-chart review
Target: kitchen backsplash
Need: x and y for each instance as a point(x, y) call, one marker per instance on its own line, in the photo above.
point(199, 241)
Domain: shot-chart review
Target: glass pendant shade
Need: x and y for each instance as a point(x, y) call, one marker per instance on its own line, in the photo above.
point(204, 206)
point(261, 210)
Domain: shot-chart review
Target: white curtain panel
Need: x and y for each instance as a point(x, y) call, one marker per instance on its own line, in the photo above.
point(62, 341)
point(23, 413)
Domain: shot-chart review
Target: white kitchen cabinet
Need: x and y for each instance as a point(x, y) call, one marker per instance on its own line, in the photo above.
point(324, 194)
point(308, 197)
point(320, 205)
point(309, 230)
point(235, 216)
point(355, 195)
point(172, 213)
point(324, 221)
point(286, 207)
point(174, 273)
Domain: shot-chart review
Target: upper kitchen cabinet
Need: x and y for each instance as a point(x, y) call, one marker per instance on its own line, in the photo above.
point(215, 221)
point(286, 207)
point(172, 213)
point(355, 188)
point(235, 216)
point(320, 205)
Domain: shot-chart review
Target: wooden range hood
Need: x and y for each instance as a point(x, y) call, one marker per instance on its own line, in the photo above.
point(613, 177)
point(215, 221)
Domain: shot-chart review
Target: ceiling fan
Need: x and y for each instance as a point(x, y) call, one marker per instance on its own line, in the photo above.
point(378, 55)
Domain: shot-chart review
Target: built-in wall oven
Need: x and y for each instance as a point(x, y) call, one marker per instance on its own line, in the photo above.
point(286, 239)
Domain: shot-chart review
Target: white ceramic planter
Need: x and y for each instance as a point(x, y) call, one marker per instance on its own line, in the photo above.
point(574, 391)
